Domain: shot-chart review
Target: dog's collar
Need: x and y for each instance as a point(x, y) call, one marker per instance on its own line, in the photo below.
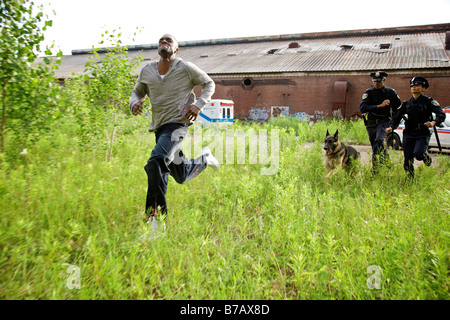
point(342, 147)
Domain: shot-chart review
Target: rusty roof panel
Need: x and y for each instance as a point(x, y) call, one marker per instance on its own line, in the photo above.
point(350, 52)
point(404, 51)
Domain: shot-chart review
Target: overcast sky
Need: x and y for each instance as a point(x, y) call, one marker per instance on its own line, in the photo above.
point(79, 24)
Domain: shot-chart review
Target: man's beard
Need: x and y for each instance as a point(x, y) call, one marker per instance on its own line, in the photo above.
point(164, 52)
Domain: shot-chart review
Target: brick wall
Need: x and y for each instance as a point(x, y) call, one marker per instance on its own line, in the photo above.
point(316, 92)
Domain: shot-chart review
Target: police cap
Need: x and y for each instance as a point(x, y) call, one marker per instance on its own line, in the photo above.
point(378, 76)
point(419, 80)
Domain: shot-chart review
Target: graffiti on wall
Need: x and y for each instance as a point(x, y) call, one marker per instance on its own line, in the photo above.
point(258, 114)
point(303, 116)
point(262, 114)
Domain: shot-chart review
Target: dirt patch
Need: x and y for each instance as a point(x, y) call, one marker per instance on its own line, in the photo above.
point(366, 155)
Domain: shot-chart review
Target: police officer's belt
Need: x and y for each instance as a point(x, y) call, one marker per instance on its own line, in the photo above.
point(377, 121)
point(414, 127)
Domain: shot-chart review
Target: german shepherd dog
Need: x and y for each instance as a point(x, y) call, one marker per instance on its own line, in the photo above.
point(338, 154)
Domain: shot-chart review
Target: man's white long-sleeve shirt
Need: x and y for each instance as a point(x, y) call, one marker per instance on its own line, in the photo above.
point(171, 94)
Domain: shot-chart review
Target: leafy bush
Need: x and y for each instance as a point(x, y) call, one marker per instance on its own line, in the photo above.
point(29, 93)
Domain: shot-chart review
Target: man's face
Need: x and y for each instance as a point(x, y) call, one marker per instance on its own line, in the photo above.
point(378, 84)
point(417, 89)
point(167, 45)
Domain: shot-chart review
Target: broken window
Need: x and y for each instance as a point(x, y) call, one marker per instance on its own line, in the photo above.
point(346, 47)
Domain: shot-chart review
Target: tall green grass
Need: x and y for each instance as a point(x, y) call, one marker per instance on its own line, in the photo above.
point(230, 234)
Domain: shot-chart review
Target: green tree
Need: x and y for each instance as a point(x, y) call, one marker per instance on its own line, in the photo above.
point(29, 93)
point(111, 78)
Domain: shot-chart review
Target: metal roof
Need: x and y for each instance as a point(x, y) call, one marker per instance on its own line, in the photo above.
point(321, 52)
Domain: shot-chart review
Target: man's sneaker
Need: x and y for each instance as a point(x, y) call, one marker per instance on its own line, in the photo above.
point(156, 230)
point(210, 159)
point(427, 160)
point(155, 224)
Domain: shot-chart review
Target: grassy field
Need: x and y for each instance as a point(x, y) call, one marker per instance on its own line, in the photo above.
point(230, 234)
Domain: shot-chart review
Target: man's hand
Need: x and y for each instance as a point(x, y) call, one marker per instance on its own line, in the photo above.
point(192, 112)
point(388, 130)
point(430, 124)
point(137, 108)
point(385, 103)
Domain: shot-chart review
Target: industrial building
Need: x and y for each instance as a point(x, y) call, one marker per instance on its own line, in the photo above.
point(313, 73)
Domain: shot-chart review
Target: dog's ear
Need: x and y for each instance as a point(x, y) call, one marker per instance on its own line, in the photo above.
point(327, 134)
point(336, 134)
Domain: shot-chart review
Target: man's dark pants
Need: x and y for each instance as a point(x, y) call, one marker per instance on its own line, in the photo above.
point(377, 136)
point(168, 158)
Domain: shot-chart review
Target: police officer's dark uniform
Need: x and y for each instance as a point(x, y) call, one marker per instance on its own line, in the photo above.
point(378, 117)
point(416, 135)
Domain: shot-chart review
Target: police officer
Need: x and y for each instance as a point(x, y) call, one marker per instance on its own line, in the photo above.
point(377, 102)
point(417, 112)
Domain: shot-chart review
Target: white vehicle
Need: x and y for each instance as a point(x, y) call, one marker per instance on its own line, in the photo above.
point(395, 139)
point(217, 111)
